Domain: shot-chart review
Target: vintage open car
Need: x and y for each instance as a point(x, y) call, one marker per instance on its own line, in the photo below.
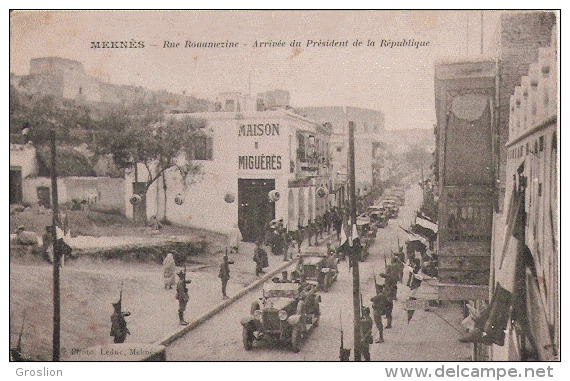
point(319, 267)
point(285, 314)
point(392, 207)
point(366, 228)
point(378, 216)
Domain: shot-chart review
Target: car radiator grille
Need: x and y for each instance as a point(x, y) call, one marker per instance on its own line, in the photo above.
point(271, 320)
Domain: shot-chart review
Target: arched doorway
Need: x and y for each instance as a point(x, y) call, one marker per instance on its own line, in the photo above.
point(302, 207)
point(291, 223)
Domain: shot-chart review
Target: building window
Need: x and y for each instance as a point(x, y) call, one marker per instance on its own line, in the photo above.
point(301, 148)
point(541, 143)
point(230, 105)
point(364, 127)
point(202, 147)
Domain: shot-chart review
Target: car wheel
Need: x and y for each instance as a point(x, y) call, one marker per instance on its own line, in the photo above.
point(296, 339)
point(247, 337)
point(254, 307)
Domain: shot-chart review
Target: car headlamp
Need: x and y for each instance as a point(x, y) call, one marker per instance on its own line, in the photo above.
point(257, 314)
point(282, 315)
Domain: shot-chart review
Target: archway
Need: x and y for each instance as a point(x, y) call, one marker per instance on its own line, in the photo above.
point(291, 223)
point(302, 207)
point(311, 204)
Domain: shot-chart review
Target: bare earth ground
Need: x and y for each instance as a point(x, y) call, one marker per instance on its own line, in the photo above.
point(92, 223)
point(89, 286)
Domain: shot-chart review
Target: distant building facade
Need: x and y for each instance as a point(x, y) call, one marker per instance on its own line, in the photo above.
point(369, 158)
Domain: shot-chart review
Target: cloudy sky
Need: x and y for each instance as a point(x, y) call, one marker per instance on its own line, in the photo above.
point(397, 81)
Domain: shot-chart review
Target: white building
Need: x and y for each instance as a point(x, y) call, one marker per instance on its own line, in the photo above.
point(368, 135)
point(246, 155)
point(23, 164)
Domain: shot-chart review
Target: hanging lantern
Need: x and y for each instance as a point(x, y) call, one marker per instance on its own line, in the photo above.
point(135, 199)
point(229, 197)
point(179, 199)
point(274, 195)
point(322, 192)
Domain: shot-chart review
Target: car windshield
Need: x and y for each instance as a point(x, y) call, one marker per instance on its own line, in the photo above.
point(281, 290)
point(310, 271)
point(280, 293)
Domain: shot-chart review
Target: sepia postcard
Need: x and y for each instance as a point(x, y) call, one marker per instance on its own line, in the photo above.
point(279, 185)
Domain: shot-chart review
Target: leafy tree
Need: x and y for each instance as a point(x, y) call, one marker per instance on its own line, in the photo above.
point(158, 143)
point(44, 113)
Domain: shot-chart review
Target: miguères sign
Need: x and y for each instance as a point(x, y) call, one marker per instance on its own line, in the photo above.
point(259, 162)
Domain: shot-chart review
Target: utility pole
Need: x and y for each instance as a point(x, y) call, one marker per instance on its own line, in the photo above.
point(353, 249)
point(56, 253)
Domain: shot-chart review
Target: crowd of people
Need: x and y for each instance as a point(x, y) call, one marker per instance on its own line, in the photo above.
point(282, 242)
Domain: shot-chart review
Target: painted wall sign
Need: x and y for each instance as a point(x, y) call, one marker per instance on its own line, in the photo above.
point(262, 162)
point(259, 129)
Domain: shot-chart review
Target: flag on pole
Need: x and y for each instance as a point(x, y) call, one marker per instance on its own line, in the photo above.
point(65, 227)
point(353, 235)
point(343, 234)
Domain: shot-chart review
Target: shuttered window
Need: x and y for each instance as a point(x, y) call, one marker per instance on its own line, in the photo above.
point(203, 147)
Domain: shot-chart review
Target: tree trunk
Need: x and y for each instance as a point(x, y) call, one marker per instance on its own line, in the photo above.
point(164, 188)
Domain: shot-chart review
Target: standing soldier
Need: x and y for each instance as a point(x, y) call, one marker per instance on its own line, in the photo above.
point(365, 333)
point(274, 240)
point(310, 232)
point(277, 243)
point(268, 234)
point(319, 227)
point(119, 329)
point(315, 230)
point(258, 257)
point(299, 236)
point(398, 263)
point(379, 305)
point(338, 224)
point(327, 220)
point(289, 246)
point(391, 291)
point(182, 295)
point(224, 274)
point(284, 240)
